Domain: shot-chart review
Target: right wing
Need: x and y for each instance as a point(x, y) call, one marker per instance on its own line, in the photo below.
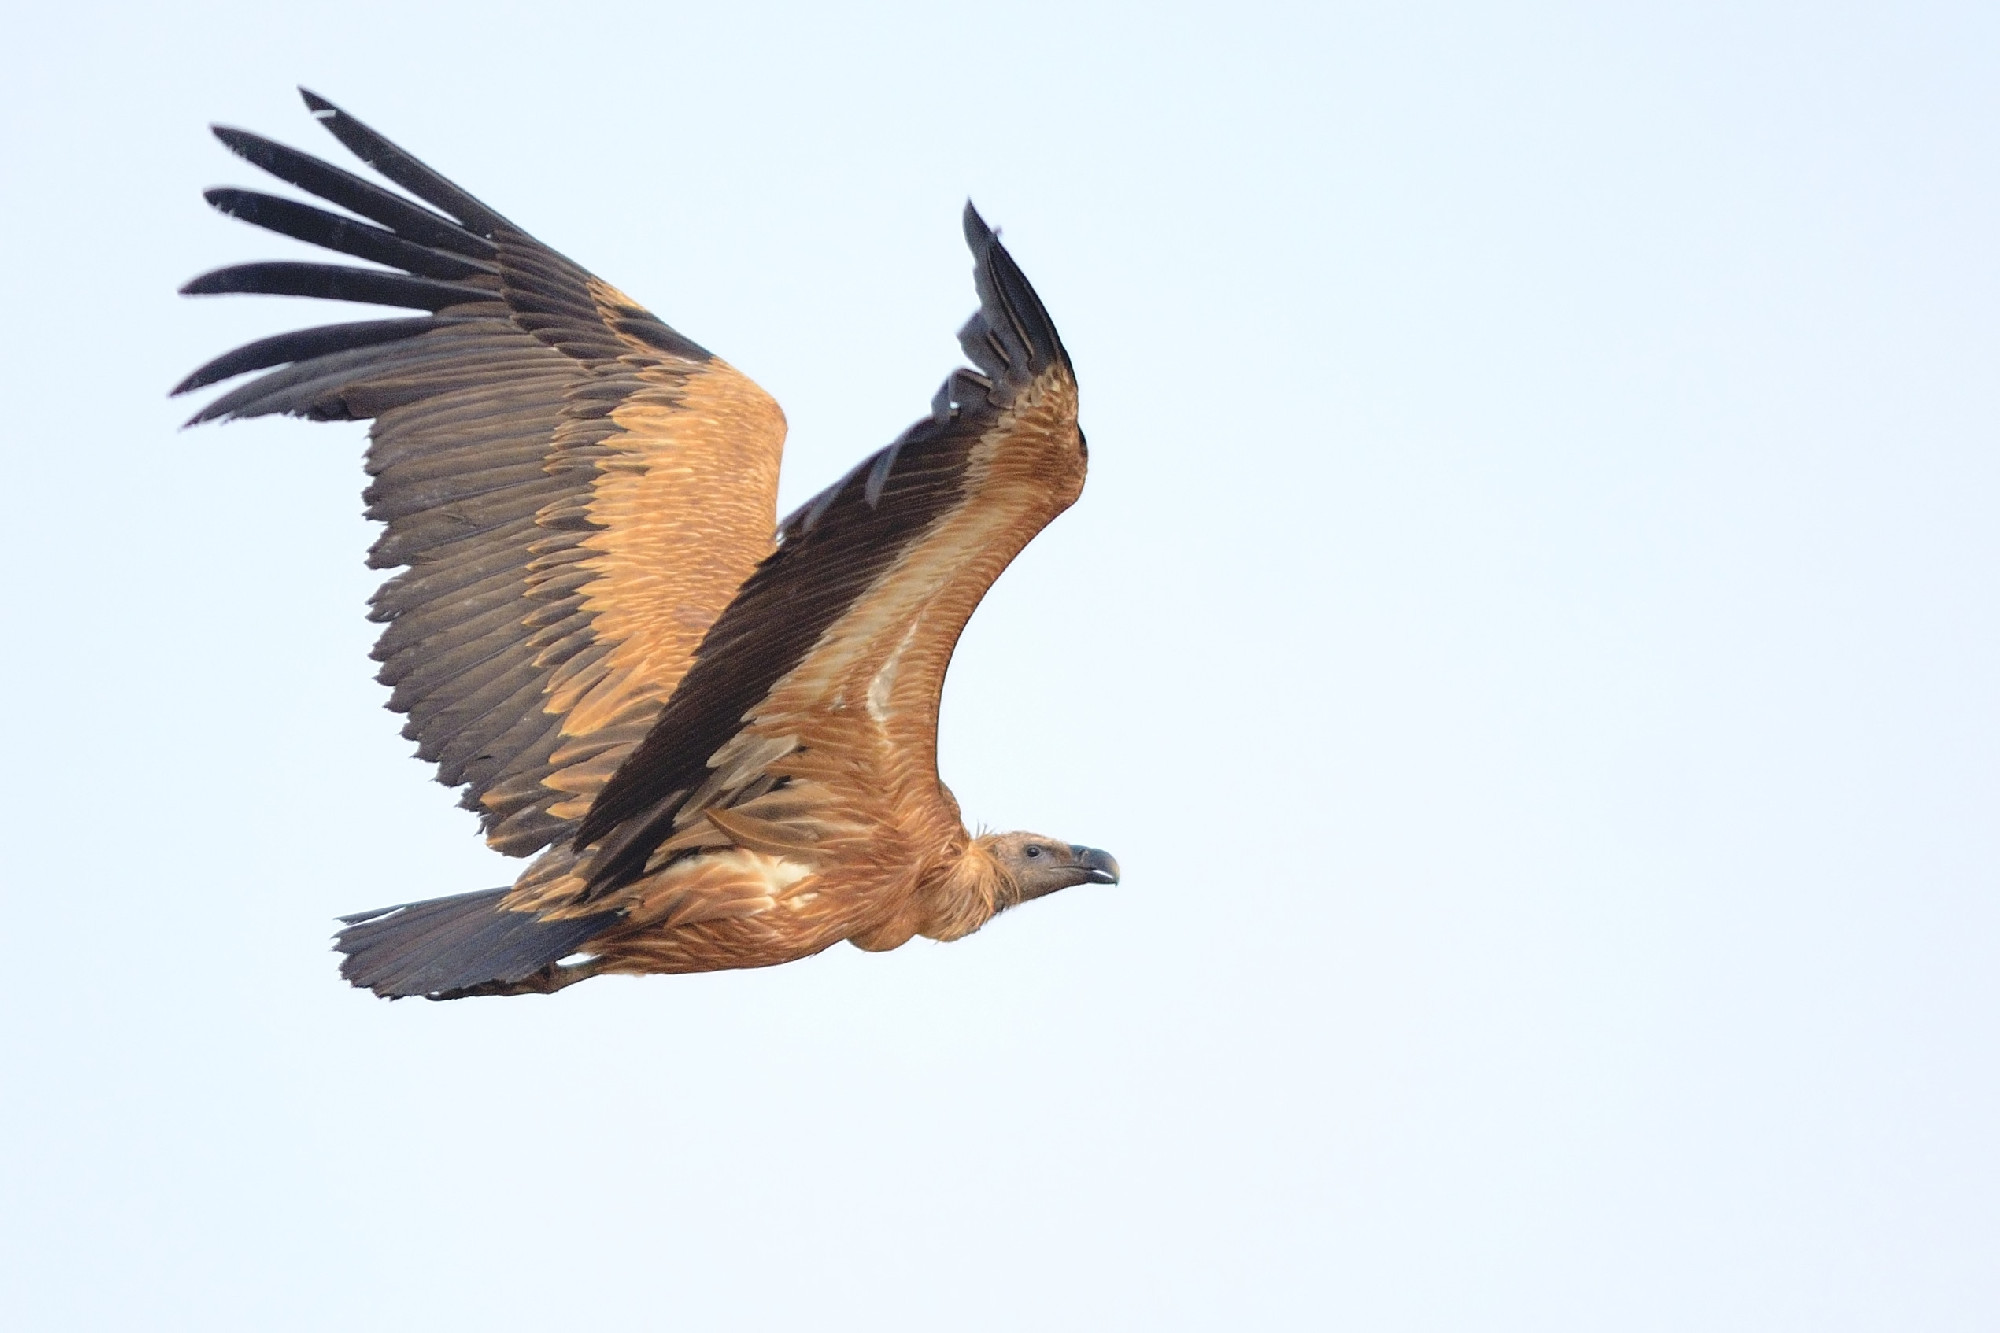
point(576, 490)
point(807, 726)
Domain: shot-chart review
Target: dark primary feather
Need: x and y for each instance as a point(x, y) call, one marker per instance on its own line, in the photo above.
point(1011, 337)
point(403, 169)
point(352, 193)
point(316, 226)
point(829, 553)
point(333, 282)
point(302, 345)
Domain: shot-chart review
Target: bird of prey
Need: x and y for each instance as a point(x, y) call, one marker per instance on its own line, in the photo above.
point(714, 733)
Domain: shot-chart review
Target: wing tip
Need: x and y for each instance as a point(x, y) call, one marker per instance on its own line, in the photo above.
point(235, 138)
point(977, 234)
point(397, 165)
point(1010, 337)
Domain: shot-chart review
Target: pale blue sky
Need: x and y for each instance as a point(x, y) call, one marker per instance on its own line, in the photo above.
point(1530, 636)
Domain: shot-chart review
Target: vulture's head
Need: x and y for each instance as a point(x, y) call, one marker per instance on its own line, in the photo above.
point(1034, 866)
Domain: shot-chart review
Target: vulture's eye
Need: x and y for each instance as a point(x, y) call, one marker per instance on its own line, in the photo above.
point(1033, 852)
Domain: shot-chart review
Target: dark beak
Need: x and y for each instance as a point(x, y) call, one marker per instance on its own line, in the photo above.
point(1103, 867)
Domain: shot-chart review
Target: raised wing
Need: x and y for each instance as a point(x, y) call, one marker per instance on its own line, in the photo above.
point(576, 489)
point(809, 718)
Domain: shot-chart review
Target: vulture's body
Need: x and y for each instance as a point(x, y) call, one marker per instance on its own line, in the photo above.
point(715, 734)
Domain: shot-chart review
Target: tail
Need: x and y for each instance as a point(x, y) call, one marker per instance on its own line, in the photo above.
point(464, 945)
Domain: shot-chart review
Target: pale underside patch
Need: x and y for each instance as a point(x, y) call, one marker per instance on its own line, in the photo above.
point(774, 873)
point(882, 688)
point(721, 886)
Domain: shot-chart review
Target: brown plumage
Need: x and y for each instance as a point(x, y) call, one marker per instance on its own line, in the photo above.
point(719, 744)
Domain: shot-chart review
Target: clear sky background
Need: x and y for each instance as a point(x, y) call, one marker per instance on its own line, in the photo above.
point(1530, 636)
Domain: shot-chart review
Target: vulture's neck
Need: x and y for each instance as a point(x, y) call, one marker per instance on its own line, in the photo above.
point(971, 889)
point(955, 896)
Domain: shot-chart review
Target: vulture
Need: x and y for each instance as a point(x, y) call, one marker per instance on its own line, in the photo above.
point(713, 734)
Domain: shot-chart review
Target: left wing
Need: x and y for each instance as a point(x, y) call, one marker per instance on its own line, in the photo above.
point(809, 717)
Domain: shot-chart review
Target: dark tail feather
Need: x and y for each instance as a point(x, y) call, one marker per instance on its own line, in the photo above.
point(448, 946)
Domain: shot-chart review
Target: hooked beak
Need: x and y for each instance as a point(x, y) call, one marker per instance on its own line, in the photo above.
point(1103, 867)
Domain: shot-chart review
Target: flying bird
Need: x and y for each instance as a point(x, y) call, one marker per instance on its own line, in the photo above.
point(715, 734)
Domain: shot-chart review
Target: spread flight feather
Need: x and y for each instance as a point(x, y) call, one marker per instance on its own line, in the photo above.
point(715, 733)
